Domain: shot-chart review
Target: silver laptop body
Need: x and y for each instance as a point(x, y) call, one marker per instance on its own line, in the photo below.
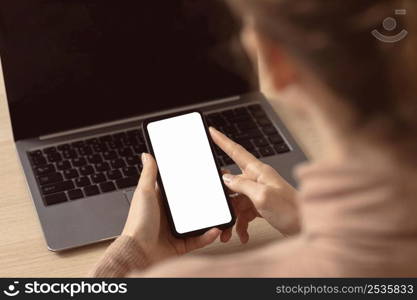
point(68, 92)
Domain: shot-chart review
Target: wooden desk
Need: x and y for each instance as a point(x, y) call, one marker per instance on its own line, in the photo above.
point(23, 251)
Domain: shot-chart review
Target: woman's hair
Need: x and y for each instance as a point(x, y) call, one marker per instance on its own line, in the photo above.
point(334, 39)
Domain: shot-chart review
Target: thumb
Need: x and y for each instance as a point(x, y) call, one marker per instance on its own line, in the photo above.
point(198, 242)
point(239, 184)
point(150, 171)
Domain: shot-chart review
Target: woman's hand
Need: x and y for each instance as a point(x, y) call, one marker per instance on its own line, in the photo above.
point(263, 192)
point(148, 225)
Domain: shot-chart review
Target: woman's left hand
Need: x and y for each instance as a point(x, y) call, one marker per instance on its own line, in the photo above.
point(147, 223)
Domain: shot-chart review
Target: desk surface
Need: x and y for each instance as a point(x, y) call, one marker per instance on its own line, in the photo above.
point(23, 251)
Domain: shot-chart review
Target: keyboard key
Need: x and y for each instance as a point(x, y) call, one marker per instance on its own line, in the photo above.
point(264, 121)
point(106, 187)
point(75, 194)
point(118, 163)
point(102, 167)
point(276, 139)
point(82, 182)
point(249, 134)
point(86, 170)
point(36, 153)
point(54, 157)
point(243, 126)
point(45, 170)
point(130, 171)
point(50, 150)
point(115, 144)
point(69, 154)
point(63, 165)
point(78, 144)
point(55, 198)
point(85, 150)
point(127, 182)
point(241, 111)
point(57, 187)
point(141, 140)
point(130, 141)
point(91, 190)
point(109, 155)
point(94, 159)
point(139, 149)
point(92, 141)
point(39, 161)
point(98, 178)
point(79, 162)
point(282, 148)
point(259, 113)
point(50, 178)
point(70, 174)
point(125, 152)
point(114, 174)
point(239, 119)
point(133, 160)
point(270, 130)
point(266, 151)
point(260, 142)
point(98, 148)
point(216, 120)
point(64, 147)
point(228, 114)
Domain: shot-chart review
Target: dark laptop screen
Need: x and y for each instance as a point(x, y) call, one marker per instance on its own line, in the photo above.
point(69, 64)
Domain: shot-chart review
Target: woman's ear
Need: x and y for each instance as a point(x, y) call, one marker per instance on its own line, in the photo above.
point(276, 69)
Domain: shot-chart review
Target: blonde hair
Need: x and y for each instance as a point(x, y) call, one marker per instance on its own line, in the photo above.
point(334, 39)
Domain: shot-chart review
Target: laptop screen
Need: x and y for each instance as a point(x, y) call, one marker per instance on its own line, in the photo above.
point(70, 64)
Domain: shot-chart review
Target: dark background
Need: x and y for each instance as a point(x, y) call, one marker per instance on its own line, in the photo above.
point(69, 64)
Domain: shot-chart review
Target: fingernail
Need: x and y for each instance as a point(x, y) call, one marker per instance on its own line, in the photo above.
point(144, 158)
point(228, 178)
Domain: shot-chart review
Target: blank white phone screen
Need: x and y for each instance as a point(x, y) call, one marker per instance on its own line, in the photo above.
point(188, 171)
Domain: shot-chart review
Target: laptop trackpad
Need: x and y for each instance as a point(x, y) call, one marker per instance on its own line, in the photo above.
point(129, 195)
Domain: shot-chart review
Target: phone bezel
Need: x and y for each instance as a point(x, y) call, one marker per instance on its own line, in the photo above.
point(161, 186)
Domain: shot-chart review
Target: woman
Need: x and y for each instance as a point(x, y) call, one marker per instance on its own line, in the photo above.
point(355, 211)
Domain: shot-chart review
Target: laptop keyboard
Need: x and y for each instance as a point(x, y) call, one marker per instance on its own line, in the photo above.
point(250, 127)
point(107, 163)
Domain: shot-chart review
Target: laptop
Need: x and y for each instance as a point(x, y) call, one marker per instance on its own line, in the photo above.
point(82, 75)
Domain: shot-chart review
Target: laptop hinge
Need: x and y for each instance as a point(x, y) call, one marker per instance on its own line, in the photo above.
point(133, 119)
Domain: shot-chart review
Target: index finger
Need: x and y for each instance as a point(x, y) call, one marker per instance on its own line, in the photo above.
point(235, 151)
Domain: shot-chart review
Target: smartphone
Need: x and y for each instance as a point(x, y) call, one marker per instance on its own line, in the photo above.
point(189, 177)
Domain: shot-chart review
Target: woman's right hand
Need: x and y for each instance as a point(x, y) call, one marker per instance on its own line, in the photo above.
point(263, 192)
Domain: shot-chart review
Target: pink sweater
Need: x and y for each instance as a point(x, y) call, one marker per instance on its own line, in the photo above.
point(357, 221)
